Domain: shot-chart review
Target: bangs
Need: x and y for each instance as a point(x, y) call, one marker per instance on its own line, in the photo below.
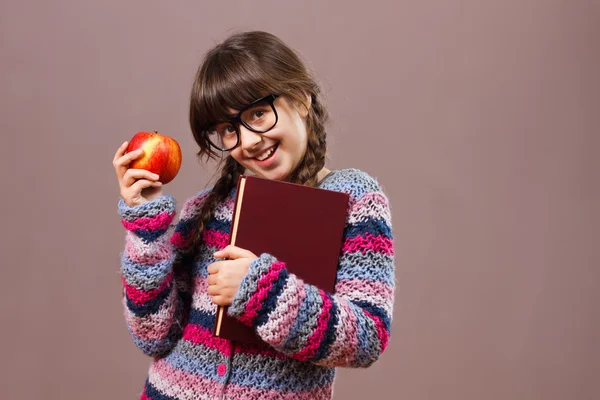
point(226, 83)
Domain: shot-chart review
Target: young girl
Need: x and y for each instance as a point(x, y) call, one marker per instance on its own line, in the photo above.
point(255, 104)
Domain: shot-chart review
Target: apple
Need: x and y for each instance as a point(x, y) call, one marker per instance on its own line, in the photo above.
point(162, 155)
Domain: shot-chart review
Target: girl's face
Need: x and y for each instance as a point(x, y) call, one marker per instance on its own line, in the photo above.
point(276, 153)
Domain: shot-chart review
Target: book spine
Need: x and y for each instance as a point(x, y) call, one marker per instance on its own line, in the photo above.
point(232, 236)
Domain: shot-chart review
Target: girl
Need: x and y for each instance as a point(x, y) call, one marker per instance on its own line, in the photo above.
point(254, 103)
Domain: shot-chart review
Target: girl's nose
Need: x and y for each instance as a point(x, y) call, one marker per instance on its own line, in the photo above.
point(249, 139)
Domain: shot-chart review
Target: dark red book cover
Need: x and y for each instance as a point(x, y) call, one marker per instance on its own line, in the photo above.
point(299, 225)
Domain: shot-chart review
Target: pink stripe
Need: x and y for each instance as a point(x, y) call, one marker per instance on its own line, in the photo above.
point(144, 397)
point(199, 335)
point(369, 242)
point(202, 300)
point(140, 296)
point(192, 207)
point(158, 222)
point(180, 241)
point(382, 333)
point(264, 284)
point(214, 238)
point(251, 350)
point(314, 340)
point(200, 284)
point(147, 254)
point(371, 205)
point(152, 326)
point(235, 391)
point(225, 208)
point(176, 379)
point(229, 203)
point(369, 288)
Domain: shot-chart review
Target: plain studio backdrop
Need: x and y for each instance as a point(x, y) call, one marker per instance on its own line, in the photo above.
point(481, 120)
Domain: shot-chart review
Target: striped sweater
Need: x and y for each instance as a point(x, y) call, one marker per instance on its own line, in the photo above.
point(170, 315)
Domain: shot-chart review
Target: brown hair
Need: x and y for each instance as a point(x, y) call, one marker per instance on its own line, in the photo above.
point(236, 72)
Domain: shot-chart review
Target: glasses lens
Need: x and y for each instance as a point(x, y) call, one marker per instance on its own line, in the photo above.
point(223, 135)
point(260, 117)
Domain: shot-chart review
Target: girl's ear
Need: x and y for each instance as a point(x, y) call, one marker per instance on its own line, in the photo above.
point(304, 108)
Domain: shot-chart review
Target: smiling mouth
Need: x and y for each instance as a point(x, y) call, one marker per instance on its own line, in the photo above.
point(267, 154)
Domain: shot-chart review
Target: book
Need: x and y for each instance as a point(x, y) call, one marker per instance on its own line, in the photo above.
point(299, 225)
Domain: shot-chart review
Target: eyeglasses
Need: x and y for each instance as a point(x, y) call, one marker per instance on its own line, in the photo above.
point(259, 116)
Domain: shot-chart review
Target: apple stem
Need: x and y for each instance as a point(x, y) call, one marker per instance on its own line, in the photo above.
point(155, 131)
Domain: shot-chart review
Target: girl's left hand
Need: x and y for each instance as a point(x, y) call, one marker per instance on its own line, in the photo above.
point(225, 276)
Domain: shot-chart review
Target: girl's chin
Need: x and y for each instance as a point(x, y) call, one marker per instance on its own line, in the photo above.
point(275, 174)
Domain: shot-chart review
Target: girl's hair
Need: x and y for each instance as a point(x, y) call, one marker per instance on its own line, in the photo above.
point(236, 72)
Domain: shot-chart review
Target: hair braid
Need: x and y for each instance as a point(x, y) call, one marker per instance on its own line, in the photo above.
point(228, 180)
point(316, 149)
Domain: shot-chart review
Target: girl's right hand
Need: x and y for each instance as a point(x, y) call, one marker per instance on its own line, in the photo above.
point(138, 186)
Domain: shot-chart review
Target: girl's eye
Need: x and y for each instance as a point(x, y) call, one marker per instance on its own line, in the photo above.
point(223, 129)
point(228, 130)
point(255, 114)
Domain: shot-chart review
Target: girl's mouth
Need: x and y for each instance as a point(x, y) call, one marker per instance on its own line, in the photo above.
point(265, 155)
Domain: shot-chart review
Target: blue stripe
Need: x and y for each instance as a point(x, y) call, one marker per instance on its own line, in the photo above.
point(151, 306)
point(149, 209)
point(218, 225)
point(202, 318)
point(154, 394)
point(271, 302)
point(273, 376)
point(145, 277)
point(375, 227)
point(353, 181)
point(185, 226)
point(150, 236)
point(375, 267)
point(193, 365)
point(300, 329)
point(374, 310)
point(366, 352)
point(329, 337)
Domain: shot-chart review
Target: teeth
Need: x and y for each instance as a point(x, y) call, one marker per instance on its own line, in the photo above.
point(266, 155)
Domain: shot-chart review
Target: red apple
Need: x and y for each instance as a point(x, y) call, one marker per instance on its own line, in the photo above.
point(162, 155)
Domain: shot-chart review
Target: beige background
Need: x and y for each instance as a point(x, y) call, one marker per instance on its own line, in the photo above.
point(480, 118)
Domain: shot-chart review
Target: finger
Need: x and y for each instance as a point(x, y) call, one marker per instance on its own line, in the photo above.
point(233, 252)
point(140, 185)
point(220, 301)
point(213, 290)
point(122, 163)
point(213, 268)
point(212, 279)
point(120, 151)
point(132, 175)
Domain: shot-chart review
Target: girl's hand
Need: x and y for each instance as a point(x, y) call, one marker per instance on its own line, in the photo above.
point(225, 276)
point(137, 185)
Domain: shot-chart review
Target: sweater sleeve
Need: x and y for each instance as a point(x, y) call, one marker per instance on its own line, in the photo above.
point(156, 297)
point(347, 328)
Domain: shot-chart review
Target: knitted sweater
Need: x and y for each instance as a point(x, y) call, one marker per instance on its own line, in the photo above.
point(170, 315)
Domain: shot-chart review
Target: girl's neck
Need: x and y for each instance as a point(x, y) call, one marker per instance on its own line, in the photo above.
point(322, 174)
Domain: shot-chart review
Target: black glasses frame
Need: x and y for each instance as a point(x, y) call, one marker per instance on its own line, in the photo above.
point(237, 120)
